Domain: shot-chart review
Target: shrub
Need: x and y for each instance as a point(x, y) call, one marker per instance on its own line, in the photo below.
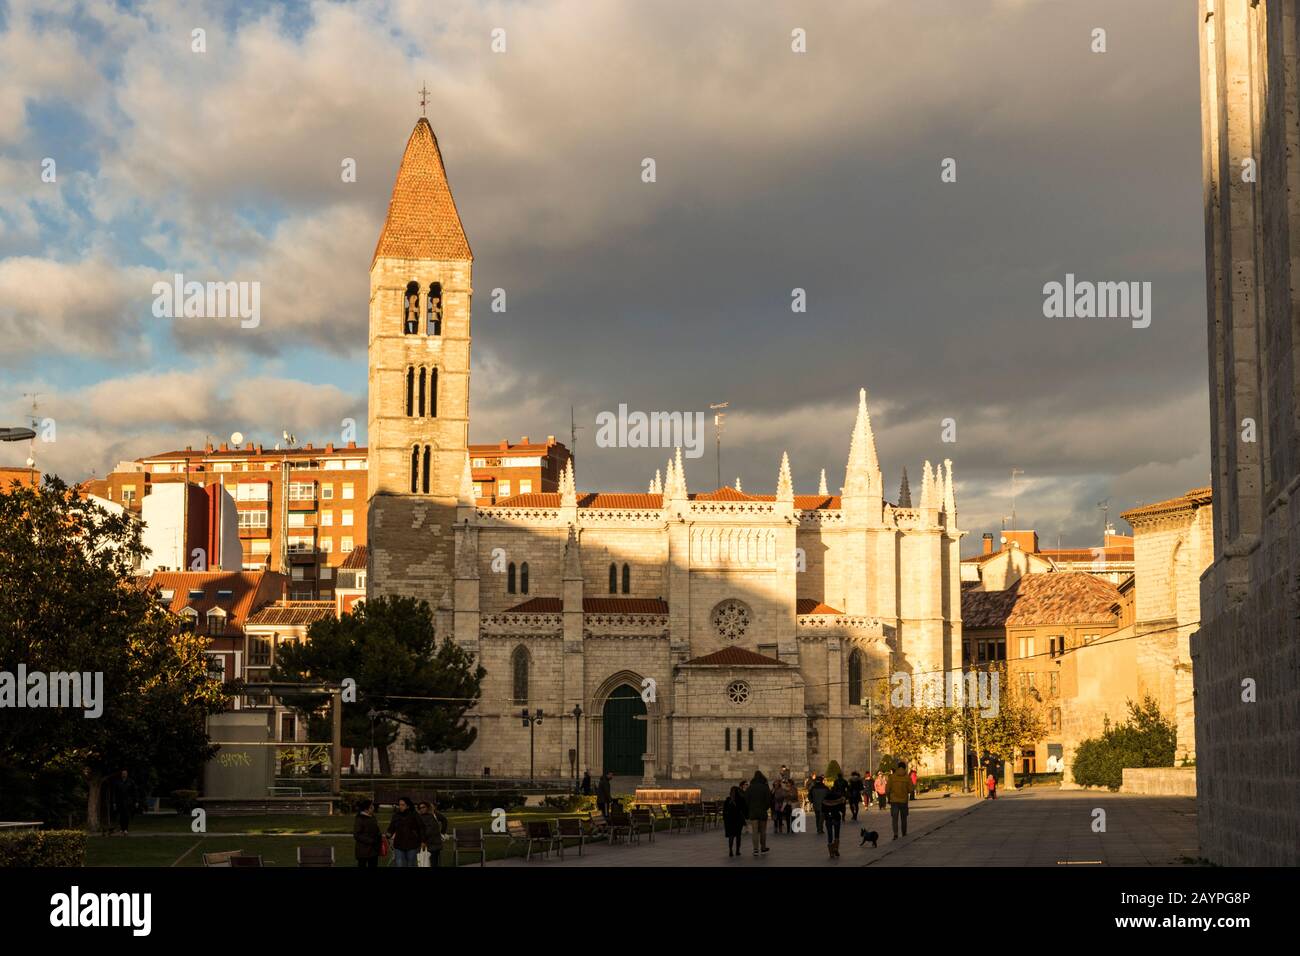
point(185, 801)
point(833, 771)
point(570, 802)
point(1146, 739)
point(347, 800)
point(43, 848)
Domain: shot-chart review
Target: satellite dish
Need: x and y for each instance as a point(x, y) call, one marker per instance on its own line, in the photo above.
point(236, 438)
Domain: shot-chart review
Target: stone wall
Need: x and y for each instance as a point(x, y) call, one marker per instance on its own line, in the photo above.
point(1160, 781)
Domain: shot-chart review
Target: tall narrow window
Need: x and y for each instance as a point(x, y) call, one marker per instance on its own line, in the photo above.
point(433, 310)
point(751, 739)
point(613, 579)
point(519, 670)
point(421, 405)
point(627, 579)
point(510, 578)
point(415, 469)
point(410, 391)
point(523, 578)
point(433, 393)
point(726, 738)
point(411, 309)
point(425, 477)
point(855, 677)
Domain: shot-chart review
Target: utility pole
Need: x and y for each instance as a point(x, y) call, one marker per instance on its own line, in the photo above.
point(31, 448)
point(574, 428)
point(719, 419)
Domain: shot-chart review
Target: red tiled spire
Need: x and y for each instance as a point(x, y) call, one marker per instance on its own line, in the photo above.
point(422, 219)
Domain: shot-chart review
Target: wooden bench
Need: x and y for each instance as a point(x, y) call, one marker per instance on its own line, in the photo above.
point(643, 821)
point(238, 861)
point(315, 856)
point(570, 828)
point(680, 817)
point(540, 832)
point(620, 826)
point(469, 840)
point(221, 859)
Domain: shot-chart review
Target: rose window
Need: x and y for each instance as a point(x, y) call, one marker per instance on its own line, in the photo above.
point(731, 620)
point(737, 692)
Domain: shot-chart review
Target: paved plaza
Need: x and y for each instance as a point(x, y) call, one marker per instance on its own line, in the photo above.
point(1034, 828)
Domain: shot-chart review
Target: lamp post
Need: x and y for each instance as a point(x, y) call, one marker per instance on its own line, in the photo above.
point(530, 722)
point(577, 725)
point(373, 715)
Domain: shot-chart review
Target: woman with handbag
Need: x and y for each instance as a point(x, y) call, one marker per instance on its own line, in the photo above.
point(406, 832)
point(367, 840)
point(435, 825)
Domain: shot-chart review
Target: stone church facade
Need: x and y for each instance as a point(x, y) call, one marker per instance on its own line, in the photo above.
point(701, 634)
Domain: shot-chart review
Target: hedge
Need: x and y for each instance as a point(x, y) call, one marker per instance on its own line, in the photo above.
point(43, 848)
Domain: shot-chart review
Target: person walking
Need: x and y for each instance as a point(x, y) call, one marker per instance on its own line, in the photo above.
point(833, 806)
point(913, 776)
point(586, 782)
point(406, 833)
point(434, 825)
point(855, 793)
point(759, 800)
point(816, 795)
point(881, 787)
point(991, 785)
point(900, 789)
point(778, 804)
point(366, 838)
point(124, 797)
point(603, 795)
point(735, 810)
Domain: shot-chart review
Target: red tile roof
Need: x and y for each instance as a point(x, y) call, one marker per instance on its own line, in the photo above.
point(289, 613)
point(597, 605)
point(736, 657)
point(813, 606)
point(422, 219)
point(1195, 498)
point(1055, 597)
point(356, 561)
point(250, 591)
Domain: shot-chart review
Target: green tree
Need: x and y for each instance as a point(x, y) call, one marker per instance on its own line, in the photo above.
point(1146, 739)
point(70, 603)
point(1016, 723)
point(387, 645)
point(833, 771)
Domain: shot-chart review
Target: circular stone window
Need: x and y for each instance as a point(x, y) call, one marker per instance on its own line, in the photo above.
point(738, 692)
point(731, 620)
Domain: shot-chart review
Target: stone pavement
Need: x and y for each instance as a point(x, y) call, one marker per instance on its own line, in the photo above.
point(1033, 828)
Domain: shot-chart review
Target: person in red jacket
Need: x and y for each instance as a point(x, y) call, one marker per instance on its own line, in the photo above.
point(991, 784)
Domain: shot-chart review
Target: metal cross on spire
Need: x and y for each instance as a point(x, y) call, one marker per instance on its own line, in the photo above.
point(424, 99)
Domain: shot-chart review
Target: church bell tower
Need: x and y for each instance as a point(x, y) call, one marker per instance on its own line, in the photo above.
point(420, 291)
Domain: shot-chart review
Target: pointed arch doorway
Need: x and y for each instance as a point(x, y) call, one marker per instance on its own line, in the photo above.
point(624, 719)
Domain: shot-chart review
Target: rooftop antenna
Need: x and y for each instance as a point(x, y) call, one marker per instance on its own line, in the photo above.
point(1104, 505)
point(1014, 472)
point(31, 448)
point(574, 428)
point(719, 419)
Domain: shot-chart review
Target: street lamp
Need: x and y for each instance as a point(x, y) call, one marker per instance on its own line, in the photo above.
point(529, 722)
point(373, 715)
point(577, 724)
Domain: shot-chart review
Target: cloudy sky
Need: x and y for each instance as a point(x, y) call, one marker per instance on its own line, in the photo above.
point(775, 170)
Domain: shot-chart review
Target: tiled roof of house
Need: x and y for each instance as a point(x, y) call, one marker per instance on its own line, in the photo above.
point(356, 561)
point(594, 605)
point(249, 591)
point(422, 219)
point(289, 613)
point(813, 606)
point(1195, 498)
point(1056, 597)
point(736, 657)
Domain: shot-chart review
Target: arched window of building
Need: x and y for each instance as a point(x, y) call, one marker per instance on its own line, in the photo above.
point(433, 309)
point(425, 478)
point(410, 391)
point(415, 469)
point(613, 579)
point(751, 739)
point(421, 405)
point(433, 393)
point(855, 677)
point(411, 309)
point(726, 738)
point(627, 579)
point(523, 578)
point(519, 665)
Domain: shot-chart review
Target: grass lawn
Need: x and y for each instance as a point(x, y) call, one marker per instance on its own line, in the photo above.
point(166, 840)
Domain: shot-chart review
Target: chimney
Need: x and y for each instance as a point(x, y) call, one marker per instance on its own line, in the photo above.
point(505, 445)
point(988, 542)
point(224, 447)
point(329, 448)
point(208, 448)
point(352, 444)
point(309, 445)
point(524, 440)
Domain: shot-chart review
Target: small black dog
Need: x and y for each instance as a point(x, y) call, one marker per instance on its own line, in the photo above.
point(869, 836)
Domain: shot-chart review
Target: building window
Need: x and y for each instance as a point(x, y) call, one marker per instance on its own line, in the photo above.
point(326, 492)
point(751, 739)
point(519, 669)
point(738, 692)
point(259, 651)
point(410, 391)
point(726, 738)
point(613, 579)
point(347, 518)
point(504, 491)
point(433, 393)
point(425, 481)
point(510, 578)
point(525, 486)
point(627, 579)
point(523, 578)
point(347, 489)
point(1056, 718)
point(411, 309)
point(345, 545)
point(327, 518)
point(423, 373)
point(1056, 645)
point(298, 519)
point(302, 491)
point(433, 309)
point(855, 677)
point(128, 496)
point(415, 468)
point(252, 519)
point(1054, 687)
point(216, 623)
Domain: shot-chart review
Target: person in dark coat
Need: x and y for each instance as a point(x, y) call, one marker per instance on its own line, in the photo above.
point(365, 835)
point(760, 801)
point(586, 783)
point(124, 797)
point(833, 806)
point(406, 832)
point(816, 794)
point(735, 810)
point(855, 792)
point(435, 825)
point(603, 796)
